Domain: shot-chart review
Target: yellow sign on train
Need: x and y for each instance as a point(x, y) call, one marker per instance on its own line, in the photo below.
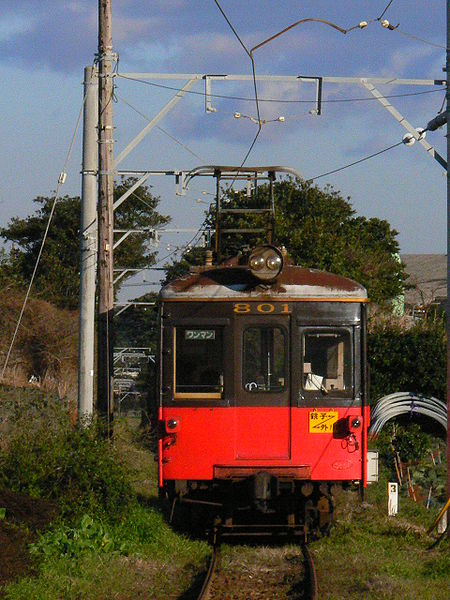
point(322, 421)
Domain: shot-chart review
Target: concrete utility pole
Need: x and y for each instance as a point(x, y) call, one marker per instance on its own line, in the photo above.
point(106, 58)
point(88, 260)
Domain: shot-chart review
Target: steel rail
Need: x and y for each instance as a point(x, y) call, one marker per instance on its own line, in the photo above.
point(310, 575)
point(206, 587)
point(310, 583)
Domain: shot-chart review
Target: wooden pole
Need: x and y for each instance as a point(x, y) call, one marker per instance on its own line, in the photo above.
point(106, 59)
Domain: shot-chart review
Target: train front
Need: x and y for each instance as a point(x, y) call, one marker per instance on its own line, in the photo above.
point(262, 391)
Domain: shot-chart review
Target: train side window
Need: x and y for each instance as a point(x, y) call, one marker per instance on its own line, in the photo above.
point(327, 361)
point(264, 359)
point(198, 362)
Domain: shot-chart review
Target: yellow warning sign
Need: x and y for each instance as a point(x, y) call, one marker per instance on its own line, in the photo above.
point(322, 421)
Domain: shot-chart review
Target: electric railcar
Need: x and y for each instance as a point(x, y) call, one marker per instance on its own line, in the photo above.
point(263, 395)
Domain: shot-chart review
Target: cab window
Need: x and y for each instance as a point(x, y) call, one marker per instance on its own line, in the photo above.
point(327, 361)
point(264, 359)
point(198, 362)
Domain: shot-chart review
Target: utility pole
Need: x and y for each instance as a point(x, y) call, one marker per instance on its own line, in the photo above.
point(106, 58)
point(447, 68)
point(88, 259)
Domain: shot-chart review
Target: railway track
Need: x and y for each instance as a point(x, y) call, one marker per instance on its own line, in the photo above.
point(214, 561)
point(306, 589)
point(310, 578)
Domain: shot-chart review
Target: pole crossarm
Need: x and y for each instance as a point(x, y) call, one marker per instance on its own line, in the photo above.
point(180, 177)
point(403, 122)
point(284, 78)
point(317, 80)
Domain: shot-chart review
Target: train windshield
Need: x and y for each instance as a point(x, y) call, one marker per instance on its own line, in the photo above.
point(264, 360)
point(327, 364)
point(198, 361)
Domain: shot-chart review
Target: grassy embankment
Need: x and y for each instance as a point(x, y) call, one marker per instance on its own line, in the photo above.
point(110, 540)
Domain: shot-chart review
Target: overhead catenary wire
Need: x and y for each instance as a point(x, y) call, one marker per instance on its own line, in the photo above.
point(178, 249)
point(258, 120)
point(181, 248)
point(276, 100)
point(385, 10)
point(419, 39)
point(386, 25)
point(250, 54)
point(61, 181)
point(356, 162)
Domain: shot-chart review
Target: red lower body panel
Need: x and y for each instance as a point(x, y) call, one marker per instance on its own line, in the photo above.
point(210, 441)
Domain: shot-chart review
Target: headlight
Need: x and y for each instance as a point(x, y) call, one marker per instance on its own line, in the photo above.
point(274, 263)
point(256, 263)
point(266, 263)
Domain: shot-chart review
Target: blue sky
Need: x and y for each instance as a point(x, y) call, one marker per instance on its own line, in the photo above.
point(44, 46)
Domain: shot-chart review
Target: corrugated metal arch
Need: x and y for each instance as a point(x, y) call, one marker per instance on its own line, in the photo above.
point(400, 403)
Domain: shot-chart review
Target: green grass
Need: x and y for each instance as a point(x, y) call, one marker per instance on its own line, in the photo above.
point(124, 549)
point(372, 556)
point(110, 539)
point(145, 560)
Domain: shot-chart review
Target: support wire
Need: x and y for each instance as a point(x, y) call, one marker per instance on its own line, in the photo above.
point(44, 239)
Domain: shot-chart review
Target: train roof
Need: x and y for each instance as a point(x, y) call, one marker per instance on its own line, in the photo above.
point(236, 283)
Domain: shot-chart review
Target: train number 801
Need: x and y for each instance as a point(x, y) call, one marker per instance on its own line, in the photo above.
point(265, 308)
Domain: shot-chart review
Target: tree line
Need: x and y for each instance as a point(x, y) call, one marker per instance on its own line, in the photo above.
point(319, 228)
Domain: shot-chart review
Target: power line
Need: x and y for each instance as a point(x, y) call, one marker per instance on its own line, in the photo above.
point(232, 28)
point(275, 100)
point(181, 248)
point(356, 162)
point(386, 25)
point(385, 10)
point(249, 54)
point(418, 39)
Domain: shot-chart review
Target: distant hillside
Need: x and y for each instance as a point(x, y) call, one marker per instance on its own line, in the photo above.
point(427, 275)
point(45, 349)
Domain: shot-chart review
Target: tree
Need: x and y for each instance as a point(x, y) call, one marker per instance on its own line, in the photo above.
point(57, 278)
point(320, 229)
point(137, 326)
point(410, 359)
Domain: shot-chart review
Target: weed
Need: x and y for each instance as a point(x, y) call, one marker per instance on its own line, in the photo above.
point(90, 536)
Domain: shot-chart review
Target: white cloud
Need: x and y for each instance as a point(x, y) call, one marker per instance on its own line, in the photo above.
point(12, 25)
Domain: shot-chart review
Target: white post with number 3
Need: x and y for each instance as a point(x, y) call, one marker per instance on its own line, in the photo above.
point(392, 499)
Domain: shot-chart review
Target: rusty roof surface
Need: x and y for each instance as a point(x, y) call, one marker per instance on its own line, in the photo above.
point(230, 282)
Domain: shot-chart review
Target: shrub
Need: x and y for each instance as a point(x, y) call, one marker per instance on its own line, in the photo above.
point(408, 360)
point(44, 455)
point(411, 443)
